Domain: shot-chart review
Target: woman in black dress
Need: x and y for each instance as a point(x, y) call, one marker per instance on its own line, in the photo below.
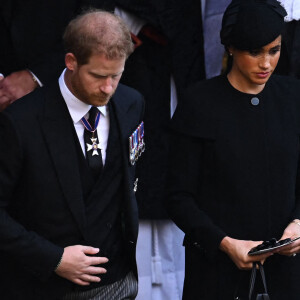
point(234, 164)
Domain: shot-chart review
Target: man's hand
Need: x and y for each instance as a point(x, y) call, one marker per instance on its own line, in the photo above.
point(15, 86)
point(78, 267)
point(292, 231)
point(238, 250)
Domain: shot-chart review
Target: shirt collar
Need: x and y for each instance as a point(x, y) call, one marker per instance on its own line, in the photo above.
point(77, 108)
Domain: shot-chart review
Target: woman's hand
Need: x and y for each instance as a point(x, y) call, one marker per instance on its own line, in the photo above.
point(292, 231)
point(238, 250)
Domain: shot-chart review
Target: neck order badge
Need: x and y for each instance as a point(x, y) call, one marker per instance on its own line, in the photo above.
point(93, 150)
point(91, 126)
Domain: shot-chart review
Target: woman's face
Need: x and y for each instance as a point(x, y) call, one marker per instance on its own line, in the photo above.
point(252, 69)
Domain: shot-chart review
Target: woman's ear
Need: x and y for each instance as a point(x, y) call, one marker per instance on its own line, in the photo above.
point(230, 50)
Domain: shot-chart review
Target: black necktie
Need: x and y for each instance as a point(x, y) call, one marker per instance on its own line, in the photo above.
point(93, 152)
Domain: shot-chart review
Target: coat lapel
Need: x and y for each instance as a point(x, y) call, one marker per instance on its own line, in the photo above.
point(60, 137)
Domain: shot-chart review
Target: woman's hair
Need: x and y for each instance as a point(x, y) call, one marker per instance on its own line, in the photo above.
point(97, 32)
point(252, 24)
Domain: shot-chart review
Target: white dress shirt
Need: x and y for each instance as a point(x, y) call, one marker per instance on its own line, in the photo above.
point(79, 109)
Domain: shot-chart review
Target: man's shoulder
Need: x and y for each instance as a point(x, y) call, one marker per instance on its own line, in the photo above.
point(127, 96)
point(128, 92)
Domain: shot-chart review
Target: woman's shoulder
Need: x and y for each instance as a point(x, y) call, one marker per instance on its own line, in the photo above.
point(285, 82)
point(284, 79)
point(207, 86)
point(285, 89)
point(195, 112)
point(201, 95)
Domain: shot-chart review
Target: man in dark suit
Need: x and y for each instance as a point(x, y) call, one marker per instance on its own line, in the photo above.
point(66, 181)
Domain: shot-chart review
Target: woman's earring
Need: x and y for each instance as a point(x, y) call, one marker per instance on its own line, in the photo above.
point(230, 53)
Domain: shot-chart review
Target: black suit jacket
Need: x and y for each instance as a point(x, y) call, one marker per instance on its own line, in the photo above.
point(41, 207)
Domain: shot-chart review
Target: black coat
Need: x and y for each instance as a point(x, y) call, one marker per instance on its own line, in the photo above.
point(233, 172)
point(41, 205)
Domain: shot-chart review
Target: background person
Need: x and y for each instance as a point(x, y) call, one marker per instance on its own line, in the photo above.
point(32, 52)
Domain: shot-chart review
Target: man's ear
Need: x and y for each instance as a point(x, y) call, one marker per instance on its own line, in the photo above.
point(71, 61)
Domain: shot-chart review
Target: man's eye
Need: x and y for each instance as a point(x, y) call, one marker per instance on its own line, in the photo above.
point(116, 76)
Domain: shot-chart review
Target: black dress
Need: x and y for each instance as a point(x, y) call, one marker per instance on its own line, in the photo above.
point(233, 172)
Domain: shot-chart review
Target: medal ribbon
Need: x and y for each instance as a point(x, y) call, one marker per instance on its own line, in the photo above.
point(88, 126)
point(141, 130)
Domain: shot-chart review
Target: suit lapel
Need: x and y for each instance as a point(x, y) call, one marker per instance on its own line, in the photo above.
point(123, 116)
point(126, 126)
point(60, 137)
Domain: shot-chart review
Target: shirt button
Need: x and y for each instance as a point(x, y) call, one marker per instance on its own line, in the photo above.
point(254, 101)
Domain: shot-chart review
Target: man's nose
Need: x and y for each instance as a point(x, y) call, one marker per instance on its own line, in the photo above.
point(107, 86)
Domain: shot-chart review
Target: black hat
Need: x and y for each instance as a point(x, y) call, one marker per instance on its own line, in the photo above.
point(252, 24)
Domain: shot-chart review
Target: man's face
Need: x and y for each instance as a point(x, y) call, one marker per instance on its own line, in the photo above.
point(95, 82)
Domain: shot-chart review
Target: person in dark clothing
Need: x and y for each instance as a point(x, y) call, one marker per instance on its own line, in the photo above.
point(68, 214)
point(234, 164)
point(31, 52)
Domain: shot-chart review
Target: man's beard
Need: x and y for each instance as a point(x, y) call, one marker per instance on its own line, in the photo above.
point(100, 98)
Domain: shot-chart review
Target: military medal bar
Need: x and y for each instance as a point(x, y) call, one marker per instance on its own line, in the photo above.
point(136, 144)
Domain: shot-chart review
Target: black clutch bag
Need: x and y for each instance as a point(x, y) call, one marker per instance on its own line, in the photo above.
point(270, 245)
point(264, 295)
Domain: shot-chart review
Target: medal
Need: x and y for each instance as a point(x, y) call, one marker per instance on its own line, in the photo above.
point(141, 139)
point(94, 146)
point(135, 185)
point(131, 151)
point(136, 144)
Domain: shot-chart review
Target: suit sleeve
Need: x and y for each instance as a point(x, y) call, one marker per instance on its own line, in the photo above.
point(30, 250)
